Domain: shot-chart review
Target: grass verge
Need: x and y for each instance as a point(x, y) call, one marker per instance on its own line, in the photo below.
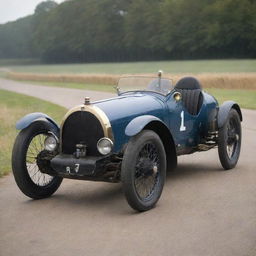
point(14, 106)
point(245, 98)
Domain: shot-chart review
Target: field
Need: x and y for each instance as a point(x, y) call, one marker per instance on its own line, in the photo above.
point(14, 106)
point(192, 66)
point(245, 98)
point(225, 79)
point(228, 74)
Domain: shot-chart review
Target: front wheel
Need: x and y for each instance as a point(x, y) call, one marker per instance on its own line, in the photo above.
point(28, 146)
point(143, 170)
point(229, 141)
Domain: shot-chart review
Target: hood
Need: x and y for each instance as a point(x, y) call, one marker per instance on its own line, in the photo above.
point(121, 110)
point(130, 106)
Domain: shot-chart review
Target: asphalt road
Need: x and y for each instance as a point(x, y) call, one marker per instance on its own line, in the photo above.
point(62, 96)
point(203, 209)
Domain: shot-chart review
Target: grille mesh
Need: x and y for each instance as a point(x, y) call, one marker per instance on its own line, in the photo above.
point(81, 127)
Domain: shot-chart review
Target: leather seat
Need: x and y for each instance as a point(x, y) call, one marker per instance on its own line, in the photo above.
point(191, 91)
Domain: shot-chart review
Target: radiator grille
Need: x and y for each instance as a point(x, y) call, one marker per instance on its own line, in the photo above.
point(81, 127)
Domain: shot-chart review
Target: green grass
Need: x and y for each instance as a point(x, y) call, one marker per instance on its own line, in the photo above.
point(3, 74)
point(14, 106)
point(193, 66)
point(245, 98)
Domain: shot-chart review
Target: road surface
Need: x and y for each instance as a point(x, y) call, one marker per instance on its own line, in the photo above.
point(62, 96)
point(203, 210)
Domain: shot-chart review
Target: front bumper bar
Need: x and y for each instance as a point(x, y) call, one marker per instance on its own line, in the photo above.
point(79, 168)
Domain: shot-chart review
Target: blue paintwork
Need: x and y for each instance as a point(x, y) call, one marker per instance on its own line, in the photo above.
point(121, 110)
point(130, 112)
point(30, 118)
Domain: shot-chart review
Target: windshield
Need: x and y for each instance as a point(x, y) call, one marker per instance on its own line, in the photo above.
point(139, 83)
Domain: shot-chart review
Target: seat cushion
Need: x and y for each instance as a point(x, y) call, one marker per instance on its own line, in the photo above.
point(192, 97)
point(192, 100)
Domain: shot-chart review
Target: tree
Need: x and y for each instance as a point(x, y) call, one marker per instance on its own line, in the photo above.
point(45, 7)
point(124, 30)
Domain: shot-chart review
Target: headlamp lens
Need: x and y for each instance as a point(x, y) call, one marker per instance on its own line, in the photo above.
point(105, 146)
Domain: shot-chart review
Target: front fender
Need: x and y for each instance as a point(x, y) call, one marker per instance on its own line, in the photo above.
point(32, 117)
point(224, 111)
point(138, 123)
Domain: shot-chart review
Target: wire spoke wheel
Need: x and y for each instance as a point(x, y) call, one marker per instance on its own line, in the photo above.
point(229, 142)
point(29, 169)
point(147, 171)
point(143, 170)
point(35, 147)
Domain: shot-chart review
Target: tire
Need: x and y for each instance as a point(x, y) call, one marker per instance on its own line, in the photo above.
point(23, 162)
point(140, 166)
point(229, 141)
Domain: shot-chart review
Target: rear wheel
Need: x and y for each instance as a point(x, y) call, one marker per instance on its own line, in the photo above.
point(144, 170)
point(29, 145)
point(229, 142)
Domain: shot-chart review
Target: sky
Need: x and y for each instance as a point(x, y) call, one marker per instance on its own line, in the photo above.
point(11, 10)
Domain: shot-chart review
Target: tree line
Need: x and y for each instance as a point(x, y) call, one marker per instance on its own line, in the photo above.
point(132, 30)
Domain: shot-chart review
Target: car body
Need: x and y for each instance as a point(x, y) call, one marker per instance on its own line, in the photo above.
point(93, 139)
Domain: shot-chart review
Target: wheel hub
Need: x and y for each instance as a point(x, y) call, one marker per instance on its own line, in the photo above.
point(43, 161)
point(147, 168)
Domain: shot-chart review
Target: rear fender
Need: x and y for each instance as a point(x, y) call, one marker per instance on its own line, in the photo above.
point(32, 117)
point(224, 111)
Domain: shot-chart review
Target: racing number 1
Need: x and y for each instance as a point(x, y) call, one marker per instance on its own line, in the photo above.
point(182, 126)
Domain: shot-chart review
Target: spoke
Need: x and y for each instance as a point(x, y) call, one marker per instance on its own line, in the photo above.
point(29, 161)
point(42, 144)
point(31, 154)
point(35, 147)
point(145, 177)
point(232, 137)
point(34, 174)
point(31, 168)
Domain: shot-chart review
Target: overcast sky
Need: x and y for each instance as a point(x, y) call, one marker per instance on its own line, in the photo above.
point(13, 9)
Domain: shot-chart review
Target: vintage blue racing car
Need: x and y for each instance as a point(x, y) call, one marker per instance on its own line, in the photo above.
point(133, 138)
